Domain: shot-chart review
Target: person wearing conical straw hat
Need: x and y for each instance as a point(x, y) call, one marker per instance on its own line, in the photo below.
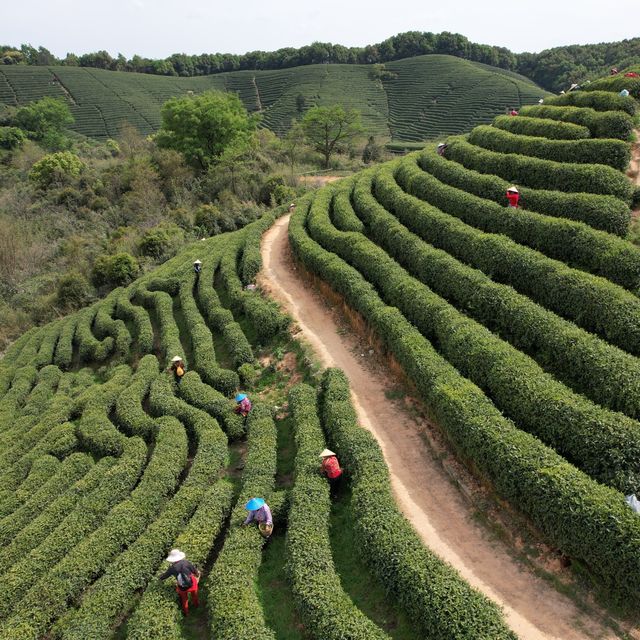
point(243, 405)
point(259, 512)
point(513, 196)
point(187, 577)
point(331, 468)
point(177, 366)
point(197, 267)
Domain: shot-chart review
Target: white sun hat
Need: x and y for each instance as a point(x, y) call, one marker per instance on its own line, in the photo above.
point(326, 453)
point(513, 188)
point(176, 359)
point(197, 262)
point(175, 555)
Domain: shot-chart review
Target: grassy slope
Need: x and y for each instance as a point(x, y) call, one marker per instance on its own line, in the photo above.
point(431, 95)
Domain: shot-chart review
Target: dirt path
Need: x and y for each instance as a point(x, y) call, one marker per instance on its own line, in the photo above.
point(437, 510)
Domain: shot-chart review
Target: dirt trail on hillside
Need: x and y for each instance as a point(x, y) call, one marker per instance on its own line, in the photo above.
point(441, 516)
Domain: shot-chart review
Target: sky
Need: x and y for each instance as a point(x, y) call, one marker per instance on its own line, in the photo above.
point(158, 28)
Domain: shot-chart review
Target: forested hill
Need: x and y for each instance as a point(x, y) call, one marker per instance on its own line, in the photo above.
point(552, 69)
point(415, 99)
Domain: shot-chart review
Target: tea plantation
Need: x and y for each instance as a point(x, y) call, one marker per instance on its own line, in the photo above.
point(419, 98)
point(519, 327)
point(109, 462)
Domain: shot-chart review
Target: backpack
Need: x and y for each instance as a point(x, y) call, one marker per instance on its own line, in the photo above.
point(184, 580)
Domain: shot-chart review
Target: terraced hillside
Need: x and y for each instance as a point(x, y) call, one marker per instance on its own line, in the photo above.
point(108, 463)
point(423, 97)
point(518, 327)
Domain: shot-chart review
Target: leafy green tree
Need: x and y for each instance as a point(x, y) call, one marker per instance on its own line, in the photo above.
point(330, 129)
point(56, 168)
point(202, 127)
point(45, 120)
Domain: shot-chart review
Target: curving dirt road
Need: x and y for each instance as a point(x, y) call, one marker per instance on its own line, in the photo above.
point(441, 516)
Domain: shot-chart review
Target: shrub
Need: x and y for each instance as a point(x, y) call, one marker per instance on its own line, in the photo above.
point(156, 242)
point(115, 270)
point(11, 138)
point(268, 188)
point(209, 218)
point(56, 168)
point(614, 153)
point(73, 291)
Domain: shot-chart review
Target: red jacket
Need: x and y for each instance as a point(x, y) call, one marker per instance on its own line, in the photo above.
point(513, 198)
point(331, 467)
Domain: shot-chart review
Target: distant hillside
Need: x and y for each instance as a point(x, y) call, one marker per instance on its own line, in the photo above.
point(418, 98)
point(554, 69)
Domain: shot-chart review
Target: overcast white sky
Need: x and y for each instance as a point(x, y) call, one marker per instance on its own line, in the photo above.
point(157, 28)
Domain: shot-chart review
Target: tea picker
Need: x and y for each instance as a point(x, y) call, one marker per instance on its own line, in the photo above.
point(259, 512)
point(187, 577)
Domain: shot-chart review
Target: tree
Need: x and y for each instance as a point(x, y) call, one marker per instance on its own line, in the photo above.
point(56, 168)
point(45, 120)
point(202, 127)
point(328, 129)
point(292, 144)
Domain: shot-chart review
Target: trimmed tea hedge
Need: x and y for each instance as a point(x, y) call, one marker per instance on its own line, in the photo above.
point(598, 100)
point(613, 153)
point(604, 444)
point(139, 317)
point(600, 212)
point(128, 409)
point(59, 507)
point(439, 601)
point(264, 315)
point(202, 396)
point(68, 472)
point(572, 242)
point(62, 543)
point(602, 124)
point(591, 302)
point(158, 616)
point(219, 319)
point(541, 128)
point(47, 599)
point(162, 305)
point(541, 174)
point(235, 612)
point(204, 356)
point(588, 364)
point(584, 519)
point(326, 610)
